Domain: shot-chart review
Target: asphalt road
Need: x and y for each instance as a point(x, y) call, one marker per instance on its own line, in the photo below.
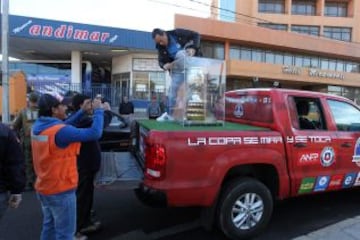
point(124, 217)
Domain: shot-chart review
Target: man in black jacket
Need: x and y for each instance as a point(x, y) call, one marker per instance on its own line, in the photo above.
point(171, 46)
point(12, 169)
point(88, 162)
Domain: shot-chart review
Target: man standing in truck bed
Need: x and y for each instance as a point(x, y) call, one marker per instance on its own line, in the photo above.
point(173, 45)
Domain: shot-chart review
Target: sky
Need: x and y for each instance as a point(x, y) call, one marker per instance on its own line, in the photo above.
point(143, 15)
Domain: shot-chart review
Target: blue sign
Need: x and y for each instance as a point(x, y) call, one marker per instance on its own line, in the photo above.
point(322, 183)
point(29, 27)
point(349, 180)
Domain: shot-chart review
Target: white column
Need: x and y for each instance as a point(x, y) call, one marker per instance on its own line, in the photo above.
point(76, 70)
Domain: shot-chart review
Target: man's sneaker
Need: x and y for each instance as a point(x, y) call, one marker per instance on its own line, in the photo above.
point(79, 236)
point(165, 117)
point(93, 227)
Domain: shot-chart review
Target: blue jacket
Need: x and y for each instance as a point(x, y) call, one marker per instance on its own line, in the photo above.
point(69, 133)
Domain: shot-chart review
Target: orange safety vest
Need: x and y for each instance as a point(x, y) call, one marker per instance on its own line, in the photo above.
point(55, 167)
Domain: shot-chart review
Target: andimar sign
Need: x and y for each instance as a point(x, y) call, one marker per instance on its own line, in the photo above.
point(35, 28)
point(312, 72)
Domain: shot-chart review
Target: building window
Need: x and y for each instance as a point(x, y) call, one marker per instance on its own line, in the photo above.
point(272, 6)
point(227, 11)
point(213, 50)
point(310, 30)
point(303, 7)
point(335, 9)
point(282, 27)
point(338, 33)
point(291, 59)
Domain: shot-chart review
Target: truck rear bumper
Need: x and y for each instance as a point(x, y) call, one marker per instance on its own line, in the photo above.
point(151, 197)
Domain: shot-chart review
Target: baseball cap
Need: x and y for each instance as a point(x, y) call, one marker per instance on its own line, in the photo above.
point(50, 100)
point(33, 97)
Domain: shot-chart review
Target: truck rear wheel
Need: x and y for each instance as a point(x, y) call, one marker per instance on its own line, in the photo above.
point(245, 208)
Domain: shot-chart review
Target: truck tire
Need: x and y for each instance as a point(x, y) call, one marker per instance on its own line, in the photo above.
point(245, 208)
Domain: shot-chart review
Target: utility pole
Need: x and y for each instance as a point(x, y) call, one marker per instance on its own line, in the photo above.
point(5, 58)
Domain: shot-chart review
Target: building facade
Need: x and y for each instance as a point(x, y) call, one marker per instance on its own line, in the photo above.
point(311, 45)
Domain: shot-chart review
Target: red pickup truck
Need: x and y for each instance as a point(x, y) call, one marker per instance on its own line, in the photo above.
point(275, 144)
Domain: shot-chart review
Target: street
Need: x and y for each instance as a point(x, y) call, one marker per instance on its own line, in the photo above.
point(124, 217)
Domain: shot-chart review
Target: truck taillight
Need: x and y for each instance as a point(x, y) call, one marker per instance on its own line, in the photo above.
point(155, 161)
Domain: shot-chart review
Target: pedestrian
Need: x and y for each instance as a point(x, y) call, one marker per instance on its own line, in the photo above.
point(163, 103)
point(88, 164)
point(126, 109)
point(12, 169)
point(56, 145)
point(173, 45)
point(22, 125)
point(153, 108)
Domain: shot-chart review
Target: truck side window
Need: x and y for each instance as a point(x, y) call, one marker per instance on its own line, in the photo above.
point(309, 114)
point(346, 116)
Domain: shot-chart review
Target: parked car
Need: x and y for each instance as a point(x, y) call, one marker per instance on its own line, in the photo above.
point(116, 136)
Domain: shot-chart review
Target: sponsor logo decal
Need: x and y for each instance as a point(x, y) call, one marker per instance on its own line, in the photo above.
point(349, 180)
point(321, 183)
point(327, 157)
point(306, 185)
point(239, 110)
point(335, 182)
point(356, 156)
point(308, 159)
point(357, 180)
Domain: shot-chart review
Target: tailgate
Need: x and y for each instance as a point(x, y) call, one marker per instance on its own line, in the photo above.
point(119, 170)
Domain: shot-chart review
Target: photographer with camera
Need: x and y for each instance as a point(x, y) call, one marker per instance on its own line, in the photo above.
point(88, 164)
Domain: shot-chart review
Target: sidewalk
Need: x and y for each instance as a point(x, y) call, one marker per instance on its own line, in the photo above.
point(348, 229)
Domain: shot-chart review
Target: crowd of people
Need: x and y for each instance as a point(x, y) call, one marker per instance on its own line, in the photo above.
point(55, 152)
point(53, 147)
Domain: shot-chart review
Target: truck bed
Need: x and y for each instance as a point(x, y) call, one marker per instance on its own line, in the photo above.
point(175, 126)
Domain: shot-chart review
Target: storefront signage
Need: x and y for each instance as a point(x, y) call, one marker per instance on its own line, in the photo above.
point(70, 32)
point(75, 32)
point(146, 64)
point(323, 74)
point(313, 72)
point(291, 70)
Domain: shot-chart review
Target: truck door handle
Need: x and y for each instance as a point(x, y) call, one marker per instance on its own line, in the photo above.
point(346, 145)
point(300, 145)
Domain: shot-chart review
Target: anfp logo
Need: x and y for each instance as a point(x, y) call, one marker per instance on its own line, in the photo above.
point(327, 156)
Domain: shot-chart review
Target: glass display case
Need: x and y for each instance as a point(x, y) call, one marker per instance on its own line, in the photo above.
point(196, 91)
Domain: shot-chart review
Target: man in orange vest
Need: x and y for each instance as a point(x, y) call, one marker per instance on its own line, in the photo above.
point(56, 144)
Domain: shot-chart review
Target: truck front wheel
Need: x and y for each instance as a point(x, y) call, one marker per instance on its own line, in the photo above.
point(245, 208)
